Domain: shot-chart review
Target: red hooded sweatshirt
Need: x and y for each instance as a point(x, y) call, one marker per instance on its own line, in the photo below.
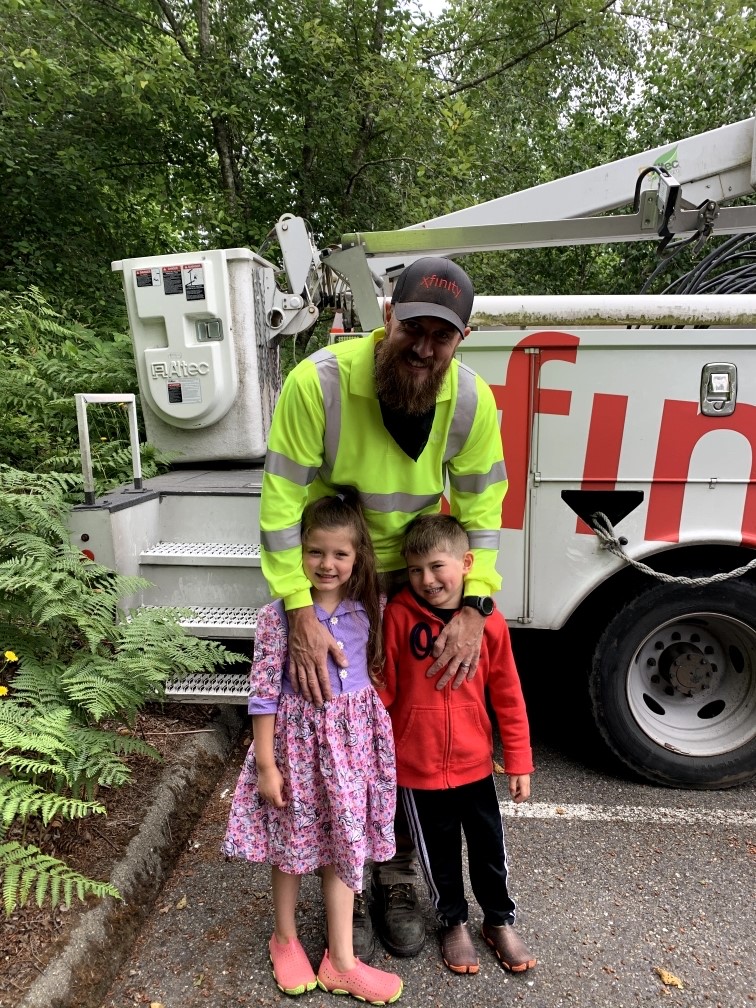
point(443, 737)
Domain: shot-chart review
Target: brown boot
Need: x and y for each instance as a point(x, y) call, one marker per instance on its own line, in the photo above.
point(457, 949)
point(363, 939)
point(510, 949)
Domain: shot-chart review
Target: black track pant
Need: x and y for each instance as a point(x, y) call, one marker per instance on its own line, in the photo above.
point(436, 820)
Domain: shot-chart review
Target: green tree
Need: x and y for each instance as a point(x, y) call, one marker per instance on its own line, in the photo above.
point(141, 126)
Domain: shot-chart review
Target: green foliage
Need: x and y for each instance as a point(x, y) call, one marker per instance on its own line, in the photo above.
point(19, 797)
point(27, 869)
point(48, 359)
point(133, 128)
point(75, 672)
point(557, 89)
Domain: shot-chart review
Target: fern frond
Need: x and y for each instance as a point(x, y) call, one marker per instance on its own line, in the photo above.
point(27, 867)
point(36, 684)
point(19, 799)
point(103, 695)
point(91, 771)
point(23, 729)
point(31, 767)
point(116, 742)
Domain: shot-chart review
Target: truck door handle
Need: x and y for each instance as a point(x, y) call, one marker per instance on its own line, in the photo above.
point(719, 389)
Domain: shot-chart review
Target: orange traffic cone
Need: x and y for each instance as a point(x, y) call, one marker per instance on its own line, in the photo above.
point(337, 326)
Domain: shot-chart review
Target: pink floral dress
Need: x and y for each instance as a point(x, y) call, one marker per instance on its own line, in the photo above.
point(337, 760)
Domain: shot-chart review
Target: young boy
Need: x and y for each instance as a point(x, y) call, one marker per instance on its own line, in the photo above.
point(444, 745)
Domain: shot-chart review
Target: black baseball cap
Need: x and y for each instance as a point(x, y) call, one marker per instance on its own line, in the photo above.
point(437, 287)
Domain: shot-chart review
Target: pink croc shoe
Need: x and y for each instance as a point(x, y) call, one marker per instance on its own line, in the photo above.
point(291, 967)
point(363, 982)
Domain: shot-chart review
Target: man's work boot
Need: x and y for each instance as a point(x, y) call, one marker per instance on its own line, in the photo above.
point(398, 918)
point(363, 938)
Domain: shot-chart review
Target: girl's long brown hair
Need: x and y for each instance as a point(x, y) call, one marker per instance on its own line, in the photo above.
point(345, 511)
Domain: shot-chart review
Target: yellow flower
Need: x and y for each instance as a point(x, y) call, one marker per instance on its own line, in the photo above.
point(11, 656)
point(3, 691)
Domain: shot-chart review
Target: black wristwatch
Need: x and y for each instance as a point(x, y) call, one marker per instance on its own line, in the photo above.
point(483, 603)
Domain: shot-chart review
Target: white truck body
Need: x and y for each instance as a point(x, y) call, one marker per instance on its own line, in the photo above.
point(654, 428)
point(613, 411)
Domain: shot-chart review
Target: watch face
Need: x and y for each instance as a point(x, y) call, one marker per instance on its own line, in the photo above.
point(483, 603)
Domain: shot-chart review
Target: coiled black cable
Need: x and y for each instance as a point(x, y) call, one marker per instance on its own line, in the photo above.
point(730, 268)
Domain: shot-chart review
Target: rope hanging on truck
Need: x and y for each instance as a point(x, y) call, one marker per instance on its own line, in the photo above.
point(609, 541)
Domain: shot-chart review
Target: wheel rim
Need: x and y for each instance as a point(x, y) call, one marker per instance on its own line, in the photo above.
point(691, 684)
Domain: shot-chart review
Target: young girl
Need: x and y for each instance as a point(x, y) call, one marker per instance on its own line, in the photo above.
point(317, 790)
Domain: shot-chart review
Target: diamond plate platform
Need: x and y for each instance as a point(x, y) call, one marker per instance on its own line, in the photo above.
point(222, 621)
point(207, 553)
point(210, 687)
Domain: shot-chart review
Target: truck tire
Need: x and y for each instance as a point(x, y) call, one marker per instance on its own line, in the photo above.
point(673, 684)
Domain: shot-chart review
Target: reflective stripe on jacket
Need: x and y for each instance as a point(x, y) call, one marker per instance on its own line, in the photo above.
point(327, 433)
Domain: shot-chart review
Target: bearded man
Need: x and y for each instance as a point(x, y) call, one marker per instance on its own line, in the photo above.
point(392, 416)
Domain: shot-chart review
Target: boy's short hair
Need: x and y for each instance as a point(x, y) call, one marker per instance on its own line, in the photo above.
point(435, 532)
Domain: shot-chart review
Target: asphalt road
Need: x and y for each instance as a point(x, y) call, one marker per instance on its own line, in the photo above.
point(615, 880)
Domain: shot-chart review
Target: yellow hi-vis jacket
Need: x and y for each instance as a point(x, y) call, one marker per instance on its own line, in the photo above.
point(327, 433)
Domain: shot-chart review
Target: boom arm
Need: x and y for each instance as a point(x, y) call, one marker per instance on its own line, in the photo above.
point(695, 176)
point(718, 165)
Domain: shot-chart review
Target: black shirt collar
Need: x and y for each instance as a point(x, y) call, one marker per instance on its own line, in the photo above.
point(442, 614)
point(410, 432)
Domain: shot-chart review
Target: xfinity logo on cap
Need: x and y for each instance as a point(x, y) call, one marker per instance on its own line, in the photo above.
point(434, 281)
point(435, 287)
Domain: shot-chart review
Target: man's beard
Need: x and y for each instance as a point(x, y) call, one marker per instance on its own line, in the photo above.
point(397, 389)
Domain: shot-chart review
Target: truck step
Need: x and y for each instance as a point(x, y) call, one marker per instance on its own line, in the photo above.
point(210, 687)
point(218, 623)
point(222, 621)
point(202, 554)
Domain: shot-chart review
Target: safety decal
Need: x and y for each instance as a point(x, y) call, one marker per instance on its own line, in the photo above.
point(148, 277)
point(189, 391)
point(172, 281)
point(194, 282)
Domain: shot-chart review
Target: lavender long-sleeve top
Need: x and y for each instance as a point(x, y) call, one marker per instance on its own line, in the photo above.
point(269, 675)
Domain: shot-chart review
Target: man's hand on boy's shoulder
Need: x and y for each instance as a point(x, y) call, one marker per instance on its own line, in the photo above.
point(519, 787)
point(457, 648)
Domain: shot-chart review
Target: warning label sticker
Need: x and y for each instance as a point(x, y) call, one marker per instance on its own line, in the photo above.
point(149, 277)
point(194, 281)
point(192, 390)
point(172, 281)
point(189, 391)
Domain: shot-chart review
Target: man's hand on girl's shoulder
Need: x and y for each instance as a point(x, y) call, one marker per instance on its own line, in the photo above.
point(309, 645)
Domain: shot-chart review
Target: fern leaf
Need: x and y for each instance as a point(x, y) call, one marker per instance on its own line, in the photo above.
point(11, 877)
point(19, 798)
point(27, 867)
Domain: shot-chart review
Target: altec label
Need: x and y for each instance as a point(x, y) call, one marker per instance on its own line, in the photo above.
point(178, 369)
point(681, 428)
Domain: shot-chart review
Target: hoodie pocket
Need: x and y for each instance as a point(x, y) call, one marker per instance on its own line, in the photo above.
point(420, 743)
point(471, 740)
point(432, 738)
